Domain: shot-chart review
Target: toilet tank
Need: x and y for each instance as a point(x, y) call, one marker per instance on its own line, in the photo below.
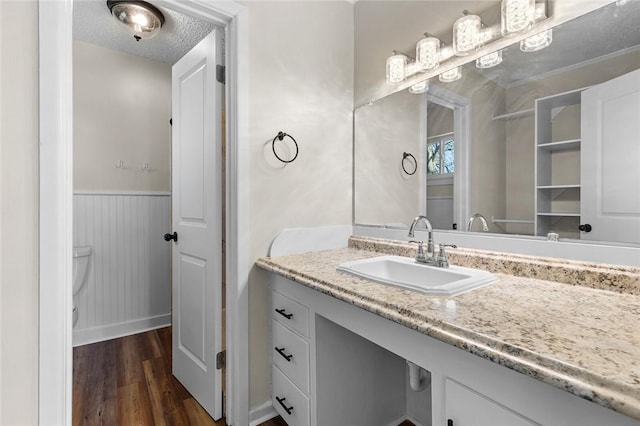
point(80, 263)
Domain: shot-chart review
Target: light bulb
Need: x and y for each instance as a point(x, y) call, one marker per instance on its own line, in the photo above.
point(140, 19)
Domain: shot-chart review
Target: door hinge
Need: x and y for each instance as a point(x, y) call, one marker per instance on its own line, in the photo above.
point(221, 360)
point(220, 74)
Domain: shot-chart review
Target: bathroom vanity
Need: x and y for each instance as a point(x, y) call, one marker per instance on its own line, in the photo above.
point(521, 351)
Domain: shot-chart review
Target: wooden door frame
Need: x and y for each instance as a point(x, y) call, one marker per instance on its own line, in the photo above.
point(56, 208)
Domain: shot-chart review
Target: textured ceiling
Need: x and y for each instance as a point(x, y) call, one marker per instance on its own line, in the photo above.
point(607, 30)
point(93, 23)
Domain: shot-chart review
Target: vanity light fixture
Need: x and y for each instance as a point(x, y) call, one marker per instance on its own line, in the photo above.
point(469, 34)
point(420, 87)
point(540, 40)
point(141, 19)
point(466, 34)
point(517, 16)
point(428, 52)
point(490, 60)
point(451, 75)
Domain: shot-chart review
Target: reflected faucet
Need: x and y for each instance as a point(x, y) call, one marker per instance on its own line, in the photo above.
point(430, 249)
point(473, 218)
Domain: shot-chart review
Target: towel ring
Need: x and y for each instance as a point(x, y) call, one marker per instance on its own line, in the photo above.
point(280, 136)
point(415, 163)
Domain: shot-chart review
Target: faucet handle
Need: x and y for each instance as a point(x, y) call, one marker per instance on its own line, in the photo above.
point(420, 254)
point(443, 260)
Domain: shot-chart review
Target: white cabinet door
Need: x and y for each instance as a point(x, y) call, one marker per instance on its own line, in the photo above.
point(197, 219)
point(465, 407)
point(610, 157)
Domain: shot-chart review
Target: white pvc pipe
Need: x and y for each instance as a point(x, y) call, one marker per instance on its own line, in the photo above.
point(417, 377)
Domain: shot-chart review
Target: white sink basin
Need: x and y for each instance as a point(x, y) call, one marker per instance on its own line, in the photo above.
point(405, 272)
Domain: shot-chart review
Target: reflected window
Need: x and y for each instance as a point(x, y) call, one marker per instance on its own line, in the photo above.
point(440, 154)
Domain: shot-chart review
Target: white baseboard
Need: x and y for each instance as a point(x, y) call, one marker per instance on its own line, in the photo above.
point(108, 332)
point(261, 413)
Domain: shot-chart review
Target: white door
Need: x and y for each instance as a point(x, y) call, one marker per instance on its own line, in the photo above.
point(197, 220)
point(610, 160)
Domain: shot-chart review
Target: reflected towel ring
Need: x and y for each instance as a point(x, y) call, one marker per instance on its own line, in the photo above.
point(280, 136)
point(415, 163)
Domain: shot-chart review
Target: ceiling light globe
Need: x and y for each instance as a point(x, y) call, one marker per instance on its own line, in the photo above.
point(140, 18)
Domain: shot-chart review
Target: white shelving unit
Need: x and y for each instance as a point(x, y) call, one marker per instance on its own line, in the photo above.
point(557, 180)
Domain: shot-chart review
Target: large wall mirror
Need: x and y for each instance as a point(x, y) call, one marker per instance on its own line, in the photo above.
point(545, 144)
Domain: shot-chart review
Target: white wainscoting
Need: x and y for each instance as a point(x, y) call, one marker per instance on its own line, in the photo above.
point(128, 288)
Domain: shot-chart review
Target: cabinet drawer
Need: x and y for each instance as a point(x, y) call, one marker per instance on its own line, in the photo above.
point(291, 355)
point(293, 314)
point(289, 401)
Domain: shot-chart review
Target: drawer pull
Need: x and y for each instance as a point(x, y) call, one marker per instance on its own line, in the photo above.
point(281, 352)
point(284, 313)
point(287, 409)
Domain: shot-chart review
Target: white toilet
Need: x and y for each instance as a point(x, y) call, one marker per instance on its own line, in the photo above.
point(80, 264)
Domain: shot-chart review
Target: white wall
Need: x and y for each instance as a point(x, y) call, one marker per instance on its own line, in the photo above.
point(121, 111)
point(19, 215)
point(301, 78)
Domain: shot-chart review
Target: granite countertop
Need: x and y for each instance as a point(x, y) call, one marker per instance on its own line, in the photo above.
point(582, 340)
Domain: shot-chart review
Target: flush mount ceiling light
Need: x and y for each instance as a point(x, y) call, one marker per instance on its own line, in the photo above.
point(140, 18)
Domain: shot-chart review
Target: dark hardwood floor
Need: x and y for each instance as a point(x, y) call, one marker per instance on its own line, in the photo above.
point(128, 382)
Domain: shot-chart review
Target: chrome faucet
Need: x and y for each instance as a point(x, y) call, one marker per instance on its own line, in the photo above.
point(421, 256)
point(473, 218)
